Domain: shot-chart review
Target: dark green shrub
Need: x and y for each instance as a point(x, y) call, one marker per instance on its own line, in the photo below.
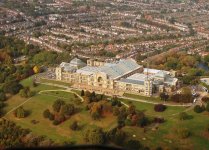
point(199, 109)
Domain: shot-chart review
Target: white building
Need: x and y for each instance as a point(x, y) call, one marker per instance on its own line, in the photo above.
point(114, 78)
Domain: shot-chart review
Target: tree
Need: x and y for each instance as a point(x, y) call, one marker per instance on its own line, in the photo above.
point(207, 107)
point(164, 96)
point(116, 135)
point(142, 121)
point(172, 63)
point(74, 125)
point(82, 93)
point(56, 122)
point(183, 133)
point(183, 116)
point(51, 116)
point(95, 116)
point(12, 87)
point(206, 58)
point(46, 113)
point(20, 113)
point(67, 109)
point(23, 93)
point(87, 94)
point(1, 106)
point(2, 96)
point(133, 144)
point(94, 136)
point(131, 109)
point(207, 128)
point(159, 107)
point(205, 99)
point(45, 57)
point(189, 61)
point(116, 111)
point(122, 116)
point(60, 118)
point(199, 109)
point(57, 105)
point(26, 92)
point(34, 83)
point(36, 69)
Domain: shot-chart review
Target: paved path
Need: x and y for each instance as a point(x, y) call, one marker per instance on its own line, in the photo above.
point(18, 106)
point(151, 102)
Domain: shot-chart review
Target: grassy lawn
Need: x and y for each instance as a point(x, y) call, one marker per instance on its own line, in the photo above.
point(62, 132)
point(151, 99)
point(142, 97)
point(148, 109)
point(77, 91)
point(29, 82)
point(166, 136)
point(16, 99)
point(55, 82)
point(61, 94)
point(36, 106)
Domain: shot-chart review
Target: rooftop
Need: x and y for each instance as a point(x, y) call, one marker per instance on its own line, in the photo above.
point(132, 81)
point(154, 71)
point(113, 70)
point(73, 65)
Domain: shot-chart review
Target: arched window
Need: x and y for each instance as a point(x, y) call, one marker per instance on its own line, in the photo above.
point(100, 79)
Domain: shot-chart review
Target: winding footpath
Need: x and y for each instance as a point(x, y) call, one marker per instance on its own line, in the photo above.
point(123, 97)
point(69, 90)
point(151, 102)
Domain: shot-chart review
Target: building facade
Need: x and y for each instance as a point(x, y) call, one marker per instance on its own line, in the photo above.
point(123, 76)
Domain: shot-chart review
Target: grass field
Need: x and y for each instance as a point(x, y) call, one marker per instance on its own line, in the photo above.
point(148, 109)
point(55, 82)
point(142, 97)
point(29, 82)
point(37, 104)
point(60, 133)
point(164, 135)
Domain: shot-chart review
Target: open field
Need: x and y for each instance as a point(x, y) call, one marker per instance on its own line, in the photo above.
point(59, 133)
point(154, 99)
point(163, 135)
point(148, 109)
point(55, 82)
point(37, 104)
point(29, 82)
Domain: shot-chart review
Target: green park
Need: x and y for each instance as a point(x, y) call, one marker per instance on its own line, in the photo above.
point(166, 134)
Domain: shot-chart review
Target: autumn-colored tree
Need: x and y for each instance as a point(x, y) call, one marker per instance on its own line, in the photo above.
point(20, 113)
point(36, 69)
point(94, 136)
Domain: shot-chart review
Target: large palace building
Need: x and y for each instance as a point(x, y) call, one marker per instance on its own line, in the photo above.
point(115, 78)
